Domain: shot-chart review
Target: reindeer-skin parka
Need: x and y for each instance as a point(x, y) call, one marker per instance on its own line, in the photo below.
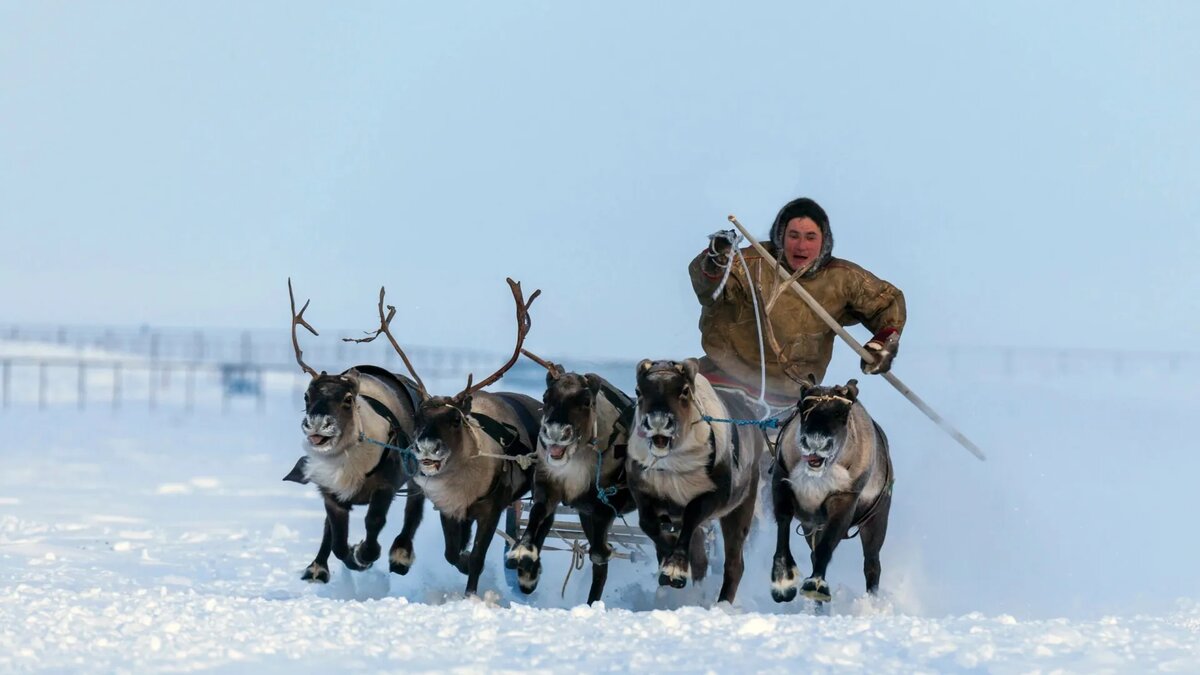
point(729, 337)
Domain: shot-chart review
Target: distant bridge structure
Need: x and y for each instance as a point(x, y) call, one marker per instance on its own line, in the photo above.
point(89, 365)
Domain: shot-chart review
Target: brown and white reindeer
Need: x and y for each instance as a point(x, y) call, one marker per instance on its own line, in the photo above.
point(832, 471)
point(686, 469)
point(474, 452)
point(581, 463)
point(349, 420)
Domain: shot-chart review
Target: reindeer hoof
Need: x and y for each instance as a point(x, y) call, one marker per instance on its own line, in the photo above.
point(521, 556)
point(674, 572)
point(464, 563)
point(400, 560)
point(817, 589)
point(318, 574)
point(527, 579)
point(785, 581)
point(359, 560)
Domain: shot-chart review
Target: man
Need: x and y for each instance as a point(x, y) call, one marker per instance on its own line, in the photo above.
point(797, 343)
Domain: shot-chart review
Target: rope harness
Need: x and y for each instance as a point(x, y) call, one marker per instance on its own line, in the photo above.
point(762, 360)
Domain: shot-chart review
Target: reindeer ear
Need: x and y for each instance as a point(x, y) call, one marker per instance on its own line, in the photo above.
point(690, 368)
point(593, 383)
point(465, 404)
point(852, 390)
point(551, 376)
point(807, 383)
point(323, 374)
point(644, 365)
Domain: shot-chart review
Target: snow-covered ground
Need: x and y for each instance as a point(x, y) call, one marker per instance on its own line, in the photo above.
point(156, 540)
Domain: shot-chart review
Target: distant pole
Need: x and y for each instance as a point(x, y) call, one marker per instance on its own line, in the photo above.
point(7, 380)
point(42, 385)
point(153, 387)
point(82, 385)
point(261, 391)
point(116, 391)
point(190, 388)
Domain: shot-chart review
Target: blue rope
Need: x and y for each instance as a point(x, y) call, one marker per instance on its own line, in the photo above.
point(406, 454)
point(770, 423)
point(604, 493)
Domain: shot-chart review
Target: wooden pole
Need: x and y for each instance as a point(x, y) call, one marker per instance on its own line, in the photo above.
point(856, 346)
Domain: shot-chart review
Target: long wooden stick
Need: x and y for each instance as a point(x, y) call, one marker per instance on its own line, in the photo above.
point(858, 348)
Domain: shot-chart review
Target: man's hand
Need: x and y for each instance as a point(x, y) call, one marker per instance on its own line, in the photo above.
point(721, 242)
point(883, 347)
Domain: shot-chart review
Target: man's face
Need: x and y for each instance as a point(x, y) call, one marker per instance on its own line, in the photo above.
point(801, 242)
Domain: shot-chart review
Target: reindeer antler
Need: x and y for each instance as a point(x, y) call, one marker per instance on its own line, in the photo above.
point(298, 320)
point(555, 369)
point(523, 326)
point(385, 323)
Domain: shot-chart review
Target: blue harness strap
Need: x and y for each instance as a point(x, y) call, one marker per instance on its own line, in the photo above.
point(769, 423)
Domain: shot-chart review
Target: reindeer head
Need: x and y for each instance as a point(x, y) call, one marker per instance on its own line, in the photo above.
point(569, 415)
point(824, 416)
point(443, 432)
point(665, 406)
point(444, 429)
point(329, 400)
point(329, 412)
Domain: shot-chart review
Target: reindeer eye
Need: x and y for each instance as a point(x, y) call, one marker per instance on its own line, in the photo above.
point(348, 401)
point(456, 422)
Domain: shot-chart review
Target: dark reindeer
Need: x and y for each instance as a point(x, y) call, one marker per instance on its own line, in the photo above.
point(581, 463)
point(685, 471)
point(343, 414)
point(832, 472)
point(473, 454)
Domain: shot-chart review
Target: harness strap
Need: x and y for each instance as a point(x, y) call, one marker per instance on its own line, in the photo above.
point(396, 436)
point(527, 419)
point(505, 435)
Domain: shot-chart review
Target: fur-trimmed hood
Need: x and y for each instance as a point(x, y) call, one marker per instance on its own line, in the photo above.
point(804, 208)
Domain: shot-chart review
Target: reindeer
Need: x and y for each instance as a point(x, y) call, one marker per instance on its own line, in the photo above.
point(686, 469)
point(581, 463)
point(352, 422)
point(832, 471)
point(473, 453)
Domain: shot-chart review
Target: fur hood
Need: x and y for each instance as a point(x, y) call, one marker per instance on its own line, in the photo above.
point(804, 208)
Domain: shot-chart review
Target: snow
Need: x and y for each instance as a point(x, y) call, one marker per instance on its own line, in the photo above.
point(137, 539)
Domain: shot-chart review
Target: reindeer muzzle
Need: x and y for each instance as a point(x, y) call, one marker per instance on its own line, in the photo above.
point(319, 432)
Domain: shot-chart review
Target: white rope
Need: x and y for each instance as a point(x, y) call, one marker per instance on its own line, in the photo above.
point(762, 362)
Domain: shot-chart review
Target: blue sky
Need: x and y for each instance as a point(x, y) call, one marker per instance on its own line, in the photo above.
point(1026, 173)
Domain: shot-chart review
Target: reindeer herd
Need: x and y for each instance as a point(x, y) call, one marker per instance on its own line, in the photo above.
point(680, 453)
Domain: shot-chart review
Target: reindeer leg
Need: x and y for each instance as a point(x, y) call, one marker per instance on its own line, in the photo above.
point(872, 534)
point(735, 527)
point(698, 555)
point(318, 569)
point(840, 510)
point(483, 537)
point(366, 552)
point(339, 528)
point(401, 556)
point(456, 542)
point(525, 557)
point(676, 569)
point(595, 528)
point(785, 576)
point(464, 537)
point(650, 524)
